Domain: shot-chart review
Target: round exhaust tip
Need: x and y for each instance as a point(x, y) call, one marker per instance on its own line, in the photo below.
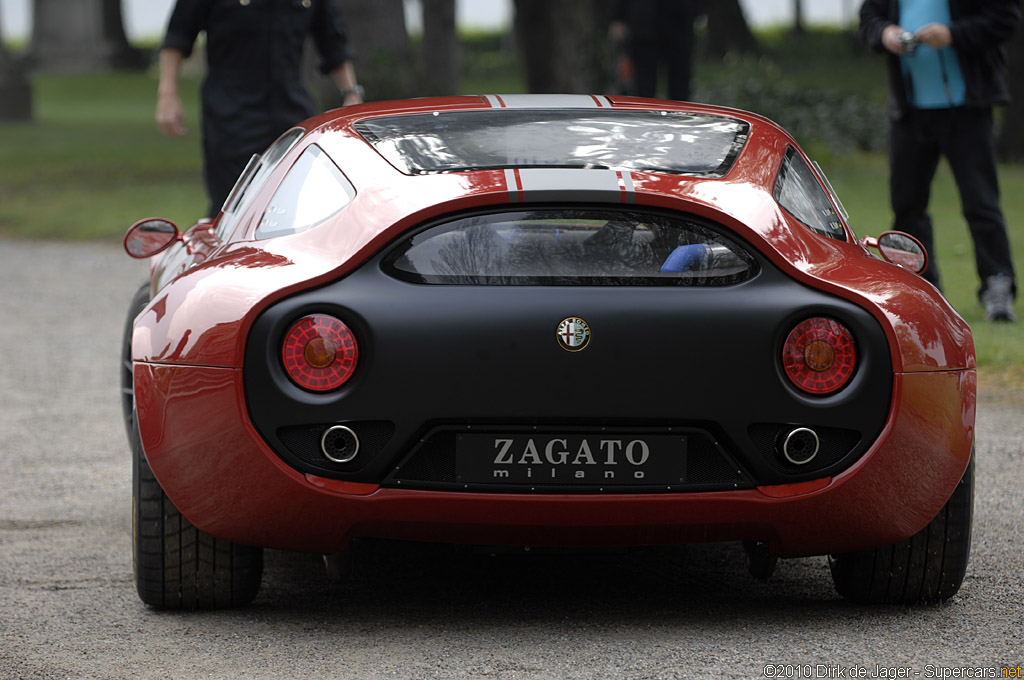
point(801, 446)
point(339, 444)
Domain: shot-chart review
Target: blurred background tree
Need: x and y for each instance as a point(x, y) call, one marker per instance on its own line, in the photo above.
point(380, 40)
point(84, 36)
point(798, 17)
point(389, 64)
point(15, 91)
point(440, 48)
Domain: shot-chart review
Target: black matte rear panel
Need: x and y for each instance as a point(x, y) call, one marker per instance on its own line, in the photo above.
point(444, 358)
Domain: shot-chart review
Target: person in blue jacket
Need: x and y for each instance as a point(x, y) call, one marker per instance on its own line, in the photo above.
point(947, 68)
point(253, 90)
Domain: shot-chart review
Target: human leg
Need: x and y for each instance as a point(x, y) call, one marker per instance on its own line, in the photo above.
point(913, 158)
point(970, 148)
point(645, 67)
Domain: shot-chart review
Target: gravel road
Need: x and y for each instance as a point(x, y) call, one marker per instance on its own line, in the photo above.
point(68, 608)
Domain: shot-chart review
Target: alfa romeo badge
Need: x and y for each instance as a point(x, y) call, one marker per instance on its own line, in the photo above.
point(573, 334)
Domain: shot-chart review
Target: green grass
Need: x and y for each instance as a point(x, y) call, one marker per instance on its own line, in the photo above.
point(92, 162)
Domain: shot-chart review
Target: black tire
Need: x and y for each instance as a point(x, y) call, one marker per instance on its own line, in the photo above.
point(139, 301)
point(176, 565)
point(927, 567)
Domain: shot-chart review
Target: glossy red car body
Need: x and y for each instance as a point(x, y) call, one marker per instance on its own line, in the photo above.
point(189, 351)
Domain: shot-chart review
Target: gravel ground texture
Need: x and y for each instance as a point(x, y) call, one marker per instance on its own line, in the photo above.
point(68, 607)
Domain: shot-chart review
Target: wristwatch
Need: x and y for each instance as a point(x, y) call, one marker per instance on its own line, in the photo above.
point(355, 89)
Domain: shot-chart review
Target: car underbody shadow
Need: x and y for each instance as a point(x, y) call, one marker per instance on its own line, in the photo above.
point(392, 577)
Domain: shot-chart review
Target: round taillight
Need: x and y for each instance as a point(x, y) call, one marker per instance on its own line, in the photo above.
point(319, 353)
point(819, 356)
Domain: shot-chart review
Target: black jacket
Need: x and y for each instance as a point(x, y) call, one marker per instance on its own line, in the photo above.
point(980, 28)
point(253, 89)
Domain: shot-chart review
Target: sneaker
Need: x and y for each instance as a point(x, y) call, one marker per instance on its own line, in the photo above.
point(998, 298)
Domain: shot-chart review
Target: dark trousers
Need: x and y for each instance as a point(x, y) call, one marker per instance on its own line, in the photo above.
point(965, 137)
point(661, 36)
point(647, 57)
point(220, 172)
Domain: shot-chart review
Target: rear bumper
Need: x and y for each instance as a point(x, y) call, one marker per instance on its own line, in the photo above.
point(218, 471)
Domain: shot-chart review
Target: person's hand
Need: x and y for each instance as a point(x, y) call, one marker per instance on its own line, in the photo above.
point(170, 115)
point(936, 36)
point(891, 39)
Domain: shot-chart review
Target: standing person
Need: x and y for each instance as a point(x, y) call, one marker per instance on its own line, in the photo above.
point(947, 69)
point(253, 90)
point(656, 33)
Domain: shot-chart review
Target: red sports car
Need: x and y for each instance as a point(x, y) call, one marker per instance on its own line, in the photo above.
point(543, 321)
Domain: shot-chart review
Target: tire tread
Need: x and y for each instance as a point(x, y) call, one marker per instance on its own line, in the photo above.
point(176, 565)
point(927, 567)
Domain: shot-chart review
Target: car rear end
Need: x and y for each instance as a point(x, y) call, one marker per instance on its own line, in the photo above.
point(594, 345)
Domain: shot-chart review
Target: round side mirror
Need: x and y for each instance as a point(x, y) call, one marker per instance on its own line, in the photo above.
point(150, 236)
point(903, 249)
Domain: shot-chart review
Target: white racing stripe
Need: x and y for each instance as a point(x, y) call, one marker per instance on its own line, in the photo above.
point(569, 184)
point(548, 101)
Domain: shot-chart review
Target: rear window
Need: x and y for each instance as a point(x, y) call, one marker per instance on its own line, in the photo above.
point(798, 190)
point(313, 190)
point(572, 247)
point(641, 141)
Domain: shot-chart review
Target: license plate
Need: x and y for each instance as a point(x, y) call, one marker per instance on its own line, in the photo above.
point(571, 459)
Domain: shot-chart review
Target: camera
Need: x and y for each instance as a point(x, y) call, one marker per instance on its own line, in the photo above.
point(908, 40)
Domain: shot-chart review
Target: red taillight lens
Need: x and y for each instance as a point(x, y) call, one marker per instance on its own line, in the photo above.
point(819, 356)
point(319, 353)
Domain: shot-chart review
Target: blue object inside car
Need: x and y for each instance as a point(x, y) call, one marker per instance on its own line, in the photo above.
point(685, 258)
